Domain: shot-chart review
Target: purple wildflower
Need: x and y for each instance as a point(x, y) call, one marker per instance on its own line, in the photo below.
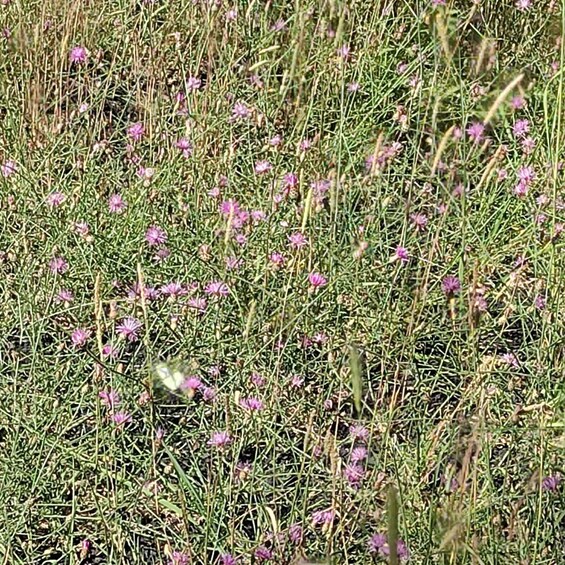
point(451, 285)
point(121, 418)
point(185, 146)
point(129, 328)
point(78, 55)
point(116, 204)
point(295, 533)
point(217, 288)
point(551, 482)
point(317, 280)
point(136, 131)
point(262, 167)
point(220, 440)
point(155, 235)
point(476, 131)
point(58, 266)
point(251, 404)
point(80, 336)
point(109, 398)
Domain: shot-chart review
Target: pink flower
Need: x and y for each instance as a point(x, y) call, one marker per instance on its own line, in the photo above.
point(523, 5)
point(251, 404)
point(220, 440)
point(55, 199)
point(476, 131)
point(197, 303)
point(262, 167)
point(354, 474)
point(317, 280)
point(359, 432)
point(129, 328)
point(217, 288)
point(178, 558)
point(358, 454)
point(186, 147)
point(520, 128)
point(193, 83)
point(297, 240)
point(451, 285)
point(116, 204)
point(8, 168)
point(136, 131)
point(190, 385)
point(109, 351)
point(65, 296)
point(121, 418)
point(275, 141)
point(420, 221)
point(517, 103)
point(78, 55)
point(155, 235)
point(277, 259)
point(240, 112)
point(58, 266)
point(80, 336)
point(173, 290)
point(401, 254)
point(109, 398)
point(323, 517)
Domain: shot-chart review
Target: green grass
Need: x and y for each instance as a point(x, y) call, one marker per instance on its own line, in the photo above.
point(462, 436)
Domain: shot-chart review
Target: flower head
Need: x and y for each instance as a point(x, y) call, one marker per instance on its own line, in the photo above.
point(317, 280)
point(136, 131)
point(476, 131)
point(129, 328)
point(80, 336)
point(116, 204)
point(220, 440)
point(155, 236)
point(451, 285)
point(217, 288)
point(58, 266)
point(185, 146)
point(109, 398)
point(121, 418)
point(78, 55)
point(8, 168)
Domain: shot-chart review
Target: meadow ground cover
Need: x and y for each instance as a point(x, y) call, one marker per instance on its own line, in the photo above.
point(281, 281)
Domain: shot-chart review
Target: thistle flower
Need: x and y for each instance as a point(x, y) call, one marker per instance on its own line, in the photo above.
point(262, 167)
point(80, 336)
point(136, 131)
point(185, 146)
point(451, 285)
point(476, 131)
point(121, 418)
point(178, 558)
point(116, 204)
point(317, 280)
point(220, 440)
point(55, 199)
point(297, 240)
point(78, 55)
point(359, 432)
point(551, 482)
point(58, 266)
point(251, 404)
point(129, 328)
point(155, 235)
point(296, 533)
point(109, 398)
point(193, 83)
point(217, 288)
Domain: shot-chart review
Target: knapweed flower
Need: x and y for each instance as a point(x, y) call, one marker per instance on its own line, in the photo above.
point(78, 55)
point(523, 5)
point(65, 296)
point(317, 280)
point(217, 288)
point(263, 553)
point(240, 112)
point(227, 559)
point(208, 393)
point(109, 398)
point(129, 328)
point(121, 418)
point(193, 83)
point(109, 351)
point(378, 544)
point(277, 259)
point(540, 302)
point(55, 199)
point(80, 336)
point(185, 146)
point(354, 474)
point(173, 290)
point(323, 517)
point(8, 168)
point(438, 3)
point(297, 240)
point(510, 359)
point(275, 141)
point(551, 482)
point(296, 533)
point(136, 131)
point(359, 432)
point(197, 303)
point(82, 229)
point(155, 236)
point(116, 204)
point(420, 221)
point(520, 128)
point(58, 266)
point(517, 102)
point(251, 404)
point(401, 254)
point(262, 167)
point(358, 454)
point(190, 385)
point(344, 52)
point(476, 131)
point(179, 558)
point(220, 440)
point(451, 285)
point(353, 87)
